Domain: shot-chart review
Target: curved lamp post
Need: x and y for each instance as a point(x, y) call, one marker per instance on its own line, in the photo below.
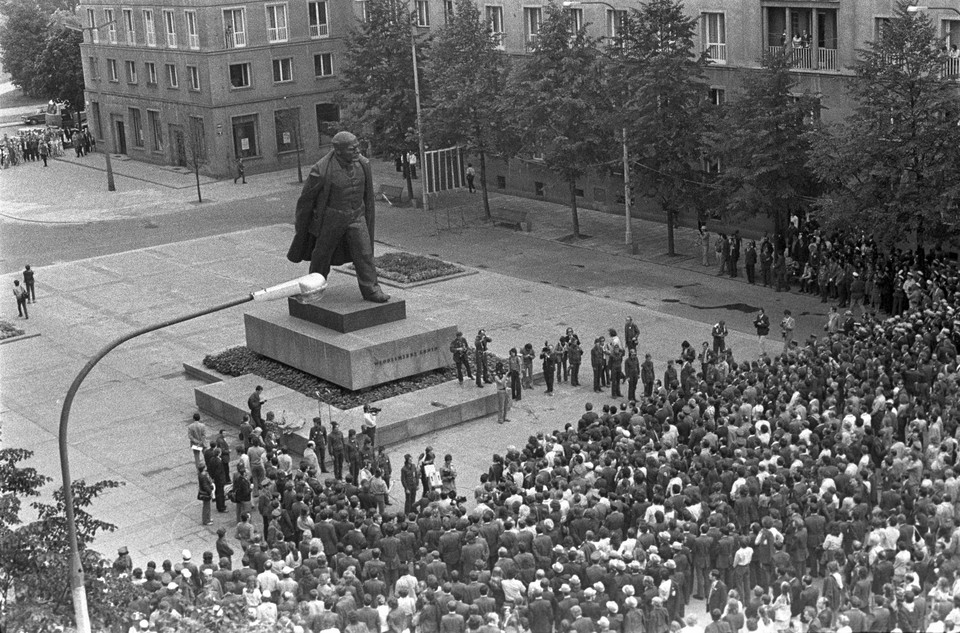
point(312, 284)
point(916, 8)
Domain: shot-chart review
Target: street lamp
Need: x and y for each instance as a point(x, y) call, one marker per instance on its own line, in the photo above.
point(312, 284)
point(917, 8)
point(628, 228)
point(67, 23)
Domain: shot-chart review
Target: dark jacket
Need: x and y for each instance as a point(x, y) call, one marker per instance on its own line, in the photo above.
point(313, 201)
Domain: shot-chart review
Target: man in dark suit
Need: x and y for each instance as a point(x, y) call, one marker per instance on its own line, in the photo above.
point(716, 592)
point(718, 625)
point(540, 615)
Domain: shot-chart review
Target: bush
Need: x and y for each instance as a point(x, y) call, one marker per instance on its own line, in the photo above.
point(237, 361)
point(9, 330)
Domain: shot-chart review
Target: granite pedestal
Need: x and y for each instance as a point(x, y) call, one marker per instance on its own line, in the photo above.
point(348, 355)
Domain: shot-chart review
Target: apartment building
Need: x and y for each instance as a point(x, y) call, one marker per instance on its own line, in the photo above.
point(823, 37)
point(217, 80)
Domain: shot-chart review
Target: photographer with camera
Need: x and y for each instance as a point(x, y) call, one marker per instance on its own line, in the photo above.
point(369, 425)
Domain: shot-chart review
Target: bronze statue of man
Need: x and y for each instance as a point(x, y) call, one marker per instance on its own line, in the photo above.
point(335, 216)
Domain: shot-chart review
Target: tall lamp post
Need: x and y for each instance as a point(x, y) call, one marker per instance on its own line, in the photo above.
point(627, 219)
point(917, 8)
point(313, 283)
point(68, 24)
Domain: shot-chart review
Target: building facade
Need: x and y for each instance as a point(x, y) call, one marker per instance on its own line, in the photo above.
point(204, 81)
point(212, 81)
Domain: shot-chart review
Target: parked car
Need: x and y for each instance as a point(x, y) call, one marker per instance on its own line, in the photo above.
point(37, 118)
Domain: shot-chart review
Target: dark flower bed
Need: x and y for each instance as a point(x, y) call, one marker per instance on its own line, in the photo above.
point(237, 361)
point(408, 268)
point(9, 330)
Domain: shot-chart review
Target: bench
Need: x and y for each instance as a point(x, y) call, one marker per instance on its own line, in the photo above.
point(512, 217)
point(391, 191)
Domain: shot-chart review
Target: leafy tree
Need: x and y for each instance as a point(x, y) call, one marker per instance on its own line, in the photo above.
point(59, 69)
point(559, 104)
point(377, 78)
point(666, 105)
point(892, 166)
point(23, 36)
point(467, 75)
point(34, 555)
point(763, 147)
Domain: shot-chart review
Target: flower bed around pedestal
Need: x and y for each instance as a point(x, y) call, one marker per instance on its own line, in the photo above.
point(238, 361)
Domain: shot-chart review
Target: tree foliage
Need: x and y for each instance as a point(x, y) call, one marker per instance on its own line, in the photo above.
point(42, 57)
point(559, 104)
point(34, 555)
point(377, 77)
point(467, 76)
point(892, 167)
point(762, 145)
point(665, 105)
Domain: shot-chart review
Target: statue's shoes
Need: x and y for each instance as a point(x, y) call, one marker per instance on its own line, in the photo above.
point(379, 297)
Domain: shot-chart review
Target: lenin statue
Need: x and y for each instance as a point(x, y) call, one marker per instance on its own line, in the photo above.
point(335, 216)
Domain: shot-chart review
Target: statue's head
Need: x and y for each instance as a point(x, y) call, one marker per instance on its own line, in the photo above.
point(346, 146)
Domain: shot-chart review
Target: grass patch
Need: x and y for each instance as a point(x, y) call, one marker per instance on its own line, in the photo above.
point(9, 330)
point(409, 268)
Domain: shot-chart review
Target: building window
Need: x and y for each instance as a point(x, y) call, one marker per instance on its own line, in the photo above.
point(879, 26)
point(94, 65)
point(710, 165)
point(173, 81)
point(718, 96)
point(131, 72)
point(111, 22)
point(240, 75)
point(495, 20)
point(501, 182)
point(615, 21)
point(283, 70)
point(245, 136)
point(234, 28)
point(323, 64)
point(328, 118)
point(277, 22)
point(151, 69)
point(448, 11)
point(423, 13)
point(576, 18)
point(156, 130)
point(149, 28)
point(319, 26)
point(170, 24)
point(129, 30)
point(198, 140)
point(287, 125)
point(194, 74)
point(112, 70)
point(714, 37)
point(193, 32)
point(951, 43)
point(532, 18)
point(92, 23)
point(362, 5)
point(136, 122)
point(539, 189)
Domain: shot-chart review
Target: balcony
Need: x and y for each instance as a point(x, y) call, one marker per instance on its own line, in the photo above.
point(717, 53)
point(951, 69)
point(827, 59)
point(803, 58)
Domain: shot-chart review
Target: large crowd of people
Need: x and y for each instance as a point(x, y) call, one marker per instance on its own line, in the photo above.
point(33, 145)
point(812, 489)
